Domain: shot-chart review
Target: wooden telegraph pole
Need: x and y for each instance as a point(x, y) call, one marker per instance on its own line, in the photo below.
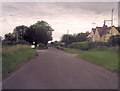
point(111, 19)
point(119, 14)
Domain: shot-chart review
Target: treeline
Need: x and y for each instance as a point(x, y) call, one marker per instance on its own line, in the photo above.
point(69, 38)
point(40, 32)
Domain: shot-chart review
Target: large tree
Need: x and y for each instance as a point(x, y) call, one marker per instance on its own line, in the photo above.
point(40, 32)
point(20, 31)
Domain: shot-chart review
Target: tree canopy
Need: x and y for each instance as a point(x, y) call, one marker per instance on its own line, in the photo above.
point(80, 37)
point(20, 31)
point(10, 37)
point(40, 32)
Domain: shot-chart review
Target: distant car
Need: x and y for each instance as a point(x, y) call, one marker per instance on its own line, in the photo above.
point(33, 46)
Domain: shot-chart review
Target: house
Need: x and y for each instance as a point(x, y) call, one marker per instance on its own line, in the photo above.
point(115, 31)
point(106, 34)
point(100, 33)
point(112, 31)
point(103, 33)
point(92, 34)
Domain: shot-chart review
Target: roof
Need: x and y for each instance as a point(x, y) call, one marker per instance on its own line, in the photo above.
point(103, 30)
point(94, 29)
point(118, 28)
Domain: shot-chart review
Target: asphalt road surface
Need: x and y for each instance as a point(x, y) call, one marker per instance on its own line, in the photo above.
point(54, 69)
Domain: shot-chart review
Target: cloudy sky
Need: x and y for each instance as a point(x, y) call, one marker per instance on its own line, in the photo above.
point(73, 16)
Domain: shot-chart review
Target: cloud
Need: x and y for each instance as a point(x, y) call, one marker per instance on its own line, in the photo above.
point(47, 9)
point(77, 17)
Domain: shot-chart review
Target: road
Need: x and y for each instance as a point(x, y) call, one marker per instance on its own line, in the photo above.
point(54, 69)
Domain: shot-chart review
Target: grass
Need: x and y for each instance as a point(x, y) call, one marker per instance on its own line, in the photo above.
point(14, 56)
point(106, 57)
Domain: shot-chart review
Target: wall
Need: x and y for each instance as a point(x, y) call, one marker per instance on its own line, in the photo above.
point(97, 36)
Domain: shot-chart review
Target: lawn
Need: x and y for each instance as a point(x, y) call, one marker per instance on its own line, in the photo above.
point(106, 57)
point(14, 56)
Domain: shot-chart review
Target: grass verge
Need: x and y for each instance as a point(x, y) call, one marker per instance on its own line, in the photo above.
point(106, 57)
point(14, 56)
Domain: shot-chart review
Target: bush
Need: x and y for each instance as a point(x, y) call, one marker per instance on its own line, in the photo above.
point(99, 44)
point(7, 43)
point(40, 46)
point(114, 40)
point(22, 42)
point(15, 42)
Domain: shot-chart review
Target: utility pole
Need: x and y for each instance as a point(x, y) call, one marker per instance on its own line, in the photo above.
point(67, 32)
point(112, 18)
point(119, 14)
point(67, 36)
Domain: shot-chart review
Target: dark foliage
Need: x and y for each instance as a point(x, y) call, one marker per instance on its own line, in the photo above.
point(115, 40)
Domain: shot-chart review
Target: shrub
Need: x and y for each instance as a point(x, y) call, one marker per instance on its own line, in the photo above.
point(14, 42)
point(22, 42)
point(114, 40)
point(98, 44)
point(40, 46)
point(7, 43)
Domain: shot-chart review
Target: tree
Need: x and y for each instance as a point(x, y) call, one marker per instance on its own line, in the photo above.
point(87, 33)
point(114, 40)
point(81, 37)
point(10, 37)
point(19, 31)
point(68, 39)
point(40, 32)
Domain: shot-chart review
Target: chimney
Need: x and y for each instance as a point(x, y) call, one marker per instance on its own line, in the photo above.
point(119, 14)
point(104, 24)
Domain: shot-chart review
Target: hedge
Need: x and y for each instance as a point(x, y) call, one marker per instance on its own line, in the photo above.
point(88, 45)
point(80, 45)
point(14, 42)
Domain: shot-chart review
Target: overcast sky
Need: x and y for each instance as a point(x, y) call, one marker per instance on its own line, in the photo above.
point(75, 17)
